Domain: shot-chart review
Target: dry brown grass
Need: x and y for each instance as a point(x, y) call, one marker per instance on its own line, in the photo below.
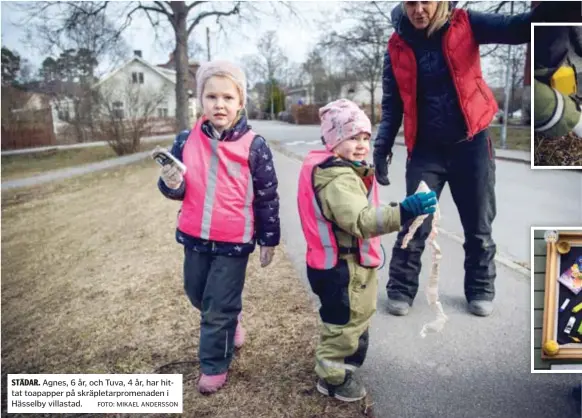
point(25, 165)
point(564, 151)
point(92, 283)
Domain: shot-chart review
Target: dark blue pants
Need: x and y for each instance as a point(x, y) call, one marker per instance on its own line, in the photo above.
point(214, 285)
point(469, 168)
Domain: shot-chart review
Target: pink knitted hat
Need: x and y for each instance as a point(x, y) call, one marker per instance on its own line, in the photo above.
point(341, 120)
point(221, 68)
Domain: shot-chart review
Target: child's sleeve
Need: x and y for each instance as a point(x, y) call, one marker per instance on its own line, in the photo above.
point(555, 114)
point(344, 202)
point(176, 151)
point(266, 199)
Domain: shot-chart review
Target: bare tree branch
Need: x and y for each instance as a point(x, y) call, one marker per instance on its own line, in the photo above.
point(158, 10)
point(194, 4)
point(235, 10)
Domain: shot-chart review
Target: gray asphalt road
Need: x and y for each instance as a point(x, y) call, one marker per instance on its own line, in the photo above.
point(525, 197)
point(478, 367)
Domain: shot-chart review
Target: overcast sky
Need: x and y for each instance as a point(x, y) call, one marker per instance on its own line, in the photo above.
point(296, 37)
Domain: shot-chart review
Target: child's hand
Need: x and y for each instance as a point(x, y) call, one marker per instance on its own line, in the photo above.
point(420, 203)
point(267, 255)
point(171, 176)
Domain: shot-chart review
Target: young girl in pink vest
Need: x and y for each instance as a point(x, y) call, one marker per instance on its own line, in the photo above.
point(229, 203)
point(342, 220)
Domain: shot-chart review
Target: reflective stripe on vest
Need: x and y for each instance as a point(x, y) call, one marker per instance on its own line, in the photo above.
point(461, 52)
point(322, 247)
point(219, 193)
point(370, 248)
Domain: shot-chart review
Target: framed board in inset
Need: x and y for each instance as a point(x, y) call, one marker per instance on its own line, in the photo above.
point(562, 327)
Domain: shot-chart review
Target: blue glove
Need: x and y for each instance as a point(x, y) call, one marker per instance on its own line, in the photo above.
point(419, 204)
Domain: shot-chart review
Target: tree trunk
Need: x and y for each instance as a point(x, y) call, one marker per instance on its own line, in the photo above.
point(181, 57)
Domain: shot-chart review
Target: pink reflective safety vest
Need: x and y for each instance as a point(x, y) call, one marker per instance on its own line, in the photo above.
point(218, 202)
point(322, 247)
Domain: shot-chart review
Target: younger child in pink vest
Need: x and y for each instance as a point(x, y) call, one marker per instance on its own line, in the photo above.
point(342, 221)
point(229, 203)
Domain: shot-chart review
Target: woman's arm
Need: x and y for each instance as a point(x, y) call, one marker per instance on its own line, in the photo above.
point(392, 111)
point(491, 28)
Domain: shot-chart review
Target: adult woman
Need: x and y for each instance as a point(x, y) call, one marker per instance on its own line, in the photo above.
point(432, 77)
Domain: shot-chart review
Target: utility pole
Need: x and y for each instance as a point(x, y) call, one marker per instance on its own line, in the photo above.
point(208, 42)
point(272, 99)
point(508, 83)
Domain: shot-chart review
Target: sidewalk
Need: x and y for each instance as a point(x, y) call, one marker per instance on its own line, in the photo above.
point(73, 171)
point(68, 172)
point(81, 145)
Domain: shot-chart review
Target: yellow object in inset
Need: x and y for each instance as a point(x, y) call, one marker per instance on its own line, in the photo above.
point(564, 80)
point(563, 247)
point(577, 308)
point(551, 348)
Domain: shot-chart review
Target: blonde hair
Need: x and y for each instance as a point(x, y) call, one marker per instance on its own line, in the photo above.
point(438, 20)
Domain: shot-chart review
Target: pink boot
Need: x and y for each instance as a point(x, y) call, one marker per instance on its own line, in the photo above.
point(210, 384)
point(239, 334)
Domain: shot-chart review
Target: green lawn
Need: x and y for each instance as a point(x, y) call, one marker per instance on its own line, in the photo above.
point(25, 165)
point(517, 138)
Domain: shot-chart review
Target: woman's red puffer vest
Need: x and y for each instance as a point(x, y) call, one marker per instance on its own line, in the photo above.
point(461, 52)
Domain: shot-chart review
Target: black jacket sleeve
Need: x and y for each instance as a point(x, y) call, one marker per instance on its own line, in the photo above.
point(392, 111)
point(266, 199)
point(491, 28)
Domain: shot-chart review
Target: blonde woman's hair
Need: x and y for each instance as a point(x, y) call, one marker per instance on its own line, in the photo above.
point(438, 20)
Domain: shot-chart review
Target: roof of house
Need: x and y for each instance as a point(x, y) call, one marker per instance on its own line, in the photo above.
point(192, 69)
point(165, 73)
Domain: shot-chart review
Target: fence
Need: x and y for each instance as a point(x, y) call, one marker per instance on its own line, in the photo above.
point(28, 129)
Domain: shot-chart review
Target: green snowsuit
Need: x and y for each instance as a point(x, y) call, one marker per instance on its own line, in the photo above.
point(556, 114)
point(348, 291)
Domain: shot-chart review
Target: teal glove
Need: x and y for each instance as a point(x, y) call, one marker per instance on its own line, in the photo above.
point(419, 204)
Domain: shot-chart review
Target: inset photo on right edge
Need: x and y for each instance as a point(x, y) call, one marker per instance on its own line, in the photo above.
point(556, 80)
point(557, 299)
